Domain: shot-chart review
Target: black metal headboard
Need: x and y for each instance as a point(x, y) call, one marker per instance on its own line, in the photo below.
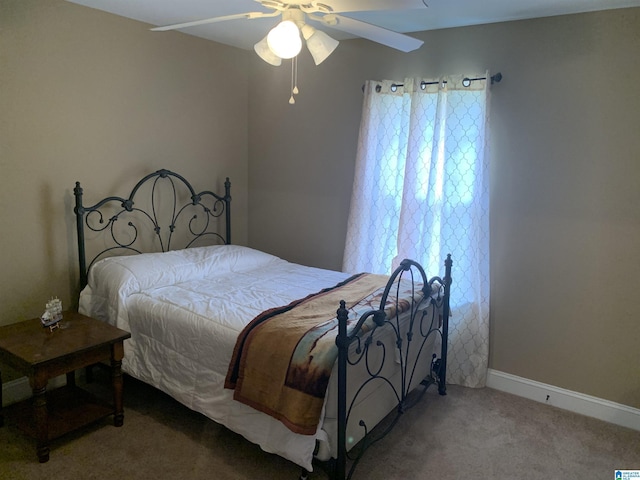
point(183, 207)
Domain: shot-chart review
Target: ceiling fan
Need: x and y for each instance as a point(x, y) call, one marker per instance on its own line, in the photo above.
point(284, 41)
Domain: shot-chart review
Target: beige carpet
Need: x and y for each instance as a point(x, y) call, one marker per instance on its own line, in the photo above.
point(469, 434)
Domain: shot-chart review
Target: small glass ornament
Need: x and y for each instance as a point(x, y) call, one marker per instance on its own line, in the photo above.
point(52, 314)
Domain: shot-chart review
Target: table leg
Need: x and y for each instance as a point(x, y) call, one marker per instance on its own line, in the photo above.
point(71, 379)
point(1, 414)
point(88, 373)
point(41, 414)
point(117, 353)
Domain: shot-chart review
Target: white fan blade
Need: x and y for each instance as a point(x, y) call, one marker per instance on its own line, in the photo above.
point(392, 39)
point(206, 21)
point(341, 6)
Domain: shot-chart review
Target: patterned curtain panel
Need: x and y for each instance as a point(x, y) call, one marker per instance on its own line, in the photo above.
point(421, 190)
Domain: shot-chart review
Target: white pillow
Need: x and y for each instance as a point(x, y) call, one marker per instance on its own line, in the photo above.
point(126, 275)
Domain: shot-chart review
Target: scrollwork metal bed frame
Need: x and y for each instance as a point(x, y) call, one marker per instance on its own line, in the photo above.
point(220, 205)
point(423, 323)
point(354, 346)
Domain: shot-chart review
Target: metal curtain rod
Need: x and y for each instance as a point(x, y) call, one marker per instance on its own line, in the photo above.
point(465, 82)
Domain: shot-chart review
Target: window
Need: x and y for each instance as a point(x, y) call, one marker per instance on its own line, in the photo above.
point(420, 192)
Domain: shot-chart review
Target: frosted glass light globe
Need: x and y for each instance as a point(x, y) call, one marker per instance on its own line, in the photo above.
point(284, 40)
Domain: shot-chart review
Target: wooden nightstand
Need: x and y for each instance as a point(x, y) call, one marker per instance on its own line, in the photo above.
point(42, 354)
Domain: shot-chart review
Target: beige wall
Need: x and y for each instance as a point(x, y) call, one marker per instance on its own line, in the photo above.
point(566, 182)
point(90, 96)
point(93, 97)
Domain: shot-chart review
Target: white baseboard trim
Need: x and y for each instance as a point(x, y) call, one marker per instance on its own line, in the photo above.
point(19, 389)
point(595, 407)
point(616, 413)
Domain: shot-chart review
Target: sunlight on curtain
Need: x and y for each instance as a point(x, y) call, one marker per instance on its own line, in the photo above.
point(421, 191)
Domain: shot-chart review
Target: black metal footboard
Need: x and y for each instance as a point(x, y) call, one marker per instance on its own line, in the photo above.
point(406, 350)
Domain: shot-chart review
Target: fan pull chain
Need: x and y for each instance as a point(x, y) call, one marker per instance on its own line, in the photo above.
point(295, 83)
point(294, 79)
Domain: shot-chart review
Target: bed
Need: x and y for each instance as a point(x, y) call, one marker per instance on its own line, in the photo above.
point(206, 316)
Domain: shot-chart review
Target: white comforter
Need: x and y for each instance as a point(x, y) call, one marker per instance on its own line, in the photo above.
point(184, 310)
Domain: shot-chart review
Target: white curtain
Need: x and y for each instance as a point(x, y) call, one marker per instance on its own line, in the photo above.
point(421, 191)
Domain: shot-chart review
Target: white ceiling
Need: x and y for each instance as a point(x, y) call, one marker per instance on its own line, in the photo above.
point(244, 33)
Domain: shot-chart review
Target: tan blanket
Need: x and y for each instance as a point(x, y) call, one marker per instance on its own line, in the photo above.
point(283, 359)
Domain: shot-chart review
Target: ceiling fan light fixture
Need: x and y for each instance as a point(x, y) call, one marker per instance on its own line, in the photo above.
point(265, 53)
point(320, 44)
point(284, 39)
